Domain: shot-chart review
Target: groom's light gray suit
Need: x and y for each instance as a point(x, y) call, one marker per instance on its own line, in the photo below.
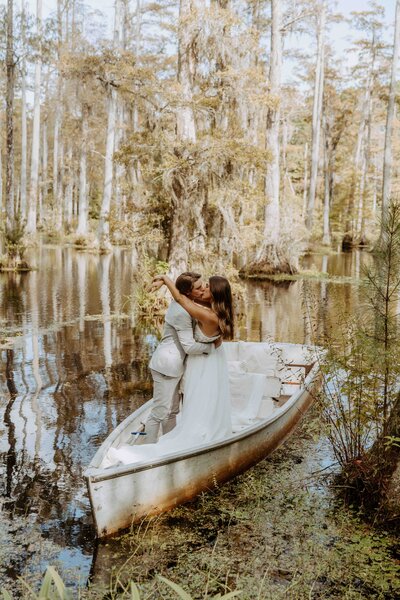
point(167, 366)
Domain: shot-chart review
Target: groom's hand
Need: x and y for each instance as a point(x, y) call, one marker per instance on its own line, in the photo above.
point(218, 342)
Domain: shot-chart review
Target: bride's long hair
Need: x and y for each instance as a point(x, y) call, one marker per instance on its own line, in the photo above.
point(221, 304)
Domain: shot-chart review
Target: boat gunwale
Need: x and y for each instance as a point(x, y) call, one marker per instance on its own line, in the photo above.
point(104, 474)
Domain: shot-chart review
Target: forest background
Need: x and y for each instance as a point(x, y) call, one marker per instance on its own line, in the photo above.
point(244, 130)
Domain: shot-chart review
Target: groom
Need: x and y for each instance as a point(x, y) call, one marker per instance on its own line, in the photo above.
point(167, 362)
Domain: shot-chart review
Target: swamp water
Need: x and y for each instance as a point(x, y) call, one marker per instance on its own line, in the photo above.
point(74, 364)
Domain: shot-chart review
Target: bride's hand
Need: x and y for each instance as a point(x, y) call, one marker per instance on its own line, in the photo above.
point(156, 284)
point(218, 342)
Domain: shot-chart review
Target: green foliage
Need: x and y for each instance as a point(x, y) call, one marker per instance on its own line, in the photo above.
point(392, 440)
point(14, 235)
point(275, 533)
point(185, 596)
point(362, 371)
point(53, 580)
point(150, 307)
point(53, 588)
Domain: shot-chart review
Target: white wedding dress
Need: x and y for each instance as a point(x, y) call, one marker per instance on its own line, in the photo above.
point(205, 415)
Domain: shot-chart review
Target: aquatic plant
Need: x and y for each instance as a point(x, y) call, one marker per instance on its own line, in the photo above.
point(53, 588)
point(15, 246)
point(185, 596)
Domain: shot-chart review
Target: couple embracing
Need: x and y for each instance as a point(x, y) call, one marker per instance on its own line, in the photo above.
point(199, 317)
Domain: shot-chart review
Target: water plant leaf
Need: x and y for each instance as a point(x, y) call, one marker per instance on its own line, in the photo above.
point(177, 588)
point(135, 594)
point(51, 576)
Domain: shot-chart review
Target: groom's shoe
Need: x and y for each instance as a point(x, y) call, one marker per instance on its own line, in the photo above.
point(138, 436)
point(152, 431)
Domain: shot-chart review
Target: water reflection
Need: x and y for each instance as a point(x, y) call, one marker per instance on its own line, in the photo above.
point(78, 366)
point(345, 264)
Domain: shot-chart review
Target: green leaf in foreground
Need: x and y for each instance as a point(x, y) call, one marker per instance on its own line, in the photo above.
point(51, 576)
point(135, 594)
point(185, 596)
point(177, 588)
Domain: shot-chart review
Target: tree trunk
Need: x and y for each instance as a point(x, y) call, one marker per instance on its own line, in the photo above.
point(387, 158)
point(120, 171)
point(24, 140)
point(104, 221)
point(1, 190)
point(305, 180)
point(45, 157)
point(316, 117)
point(365, 164)
point(58, 151)
point(186, 135)
point(82, 228)
point(33, 193)
point(120, 120)
point(135, 170)
point(272, 176)
point(326, 237)
point(374, 193)
point(356, 197)
point(138, 27)
point(69, 190)
point(361, 193)
point(59, 204)
point(138, 37)
point(10, 209)
point(186, 126)
point(55, 151)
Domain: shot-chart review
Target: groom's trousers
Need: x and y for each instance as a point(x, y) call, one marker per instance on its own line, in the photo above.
point(166, 399)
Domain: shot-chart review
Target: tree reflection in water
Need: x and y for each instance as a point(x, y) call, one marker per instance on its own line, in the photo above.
point(76, 368)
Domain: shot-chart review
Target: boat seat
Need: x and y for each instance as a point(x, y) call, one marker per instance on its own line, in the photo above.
point(268, 359)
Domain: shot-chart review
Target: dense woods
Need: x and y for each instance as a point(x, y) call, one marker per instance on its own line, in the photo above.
point(182, 134)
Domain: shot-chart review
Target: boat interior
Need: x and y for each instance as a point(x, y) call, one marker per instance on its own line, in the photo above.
point(278, 370)
point(283, 367)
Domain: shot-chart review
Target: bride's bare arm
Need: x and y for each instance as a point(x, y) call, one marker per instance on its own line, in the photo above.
point(203, 315)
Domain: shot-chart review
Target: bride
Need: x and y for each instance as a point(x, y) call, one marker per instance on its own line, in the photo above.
point(206, 411)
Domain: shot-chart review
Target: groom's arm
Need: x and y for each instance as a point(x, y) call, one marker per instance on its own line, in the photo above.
point(190, 345)
point(184, 328)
